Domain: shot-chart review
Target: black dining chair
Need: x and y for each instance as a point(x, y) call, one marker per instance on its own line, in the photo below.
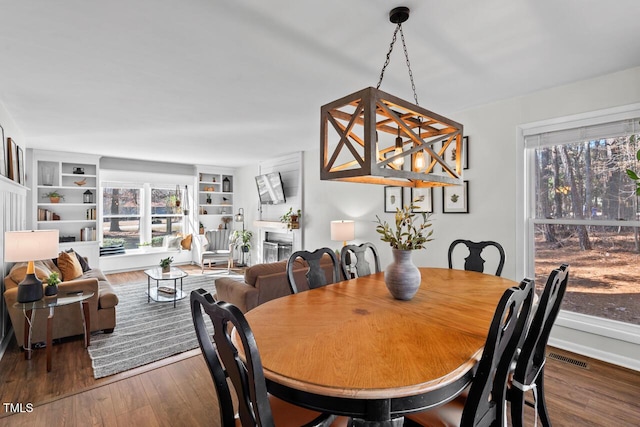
point(255, 407)
point(529, 370)
point(362, 265)
point(485, 405)
point(475, 261)
point(316, 275)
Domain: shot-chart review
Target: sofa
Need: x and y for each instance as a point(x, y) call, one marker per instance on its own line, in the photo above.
point(67, 320)
point(264, 282)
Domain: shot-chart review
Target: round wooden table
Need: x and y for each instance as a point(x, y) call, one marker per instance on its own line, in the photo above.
point(351, 349)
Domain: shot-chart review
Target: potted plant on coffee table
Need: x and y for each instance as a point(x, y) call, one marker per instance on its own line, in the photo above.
point(165, 263)
point(52, 284)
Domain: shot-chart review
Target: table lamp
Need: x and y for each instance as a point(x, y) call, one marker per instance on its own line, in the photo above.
point(343, 230)
point(20, 246)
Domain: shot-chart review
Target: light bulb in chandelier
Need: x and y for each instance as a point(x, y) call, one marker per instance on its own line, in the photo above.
point(400, 160)
point(418, 162)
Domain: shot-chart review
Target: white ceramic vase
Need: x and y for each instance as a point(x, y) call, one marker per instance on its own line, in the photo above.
point(402, 277)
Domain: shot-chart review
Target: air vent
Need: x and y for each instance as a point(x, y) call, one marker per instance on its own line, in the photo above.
point(568, 360)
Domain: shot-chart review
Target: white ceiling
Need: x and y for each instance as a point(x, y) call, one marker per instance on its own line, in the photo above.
point(235, 82)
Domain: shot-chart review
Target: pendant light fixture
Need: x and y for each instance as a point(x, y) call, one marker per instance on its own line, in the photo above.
point(362, 135)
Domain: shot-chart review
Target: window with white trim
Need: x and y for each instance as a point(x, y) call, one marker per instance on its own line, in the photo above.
point(582, 209)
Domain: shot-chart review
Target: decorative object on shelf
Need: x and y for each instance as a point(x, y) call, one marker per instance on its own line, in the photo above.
point(165, 263)
point(226, 220)
point(226, 184)
point(343, 230)
point(456, 199)
point(87, 197)
point(78, 171)
point(47, 175)
point(208, 200)
point(52, 284)
point(402, 277)
point(30, 246)
point(80, 183)
point(358, 131)
point(21, 167)
point(54, 196)
point(12, 160)
point(291, 218)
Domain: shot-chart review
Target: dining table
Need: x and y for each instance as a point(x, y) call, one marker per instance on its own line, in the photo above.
point(350, 348)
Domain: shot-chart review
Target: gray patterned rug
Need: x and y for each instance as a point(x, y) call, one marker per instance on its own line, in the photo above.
point(147, 332)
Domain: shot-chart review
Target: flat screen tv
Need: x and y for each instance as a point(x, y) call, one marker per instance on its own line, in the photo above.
point(270, 189)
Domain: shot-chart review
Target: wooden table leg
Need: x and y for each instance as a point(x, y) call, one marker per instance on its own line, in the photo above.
point(26, 343)
point(49, 338)
point(86, 321)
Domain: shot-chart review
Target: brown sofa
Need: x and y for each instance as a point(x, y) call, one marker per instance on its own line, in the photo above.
point(264, 282)
point(67, 320)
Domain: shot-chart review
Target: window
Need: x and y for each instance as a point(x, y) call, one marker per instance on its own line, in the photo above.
point(121, 215)
point(140, 213)
point(582, 209)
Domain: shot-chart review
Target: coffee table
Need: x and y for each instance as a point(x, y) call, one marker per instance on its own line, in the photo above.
point(164, 293)
point(29, 308)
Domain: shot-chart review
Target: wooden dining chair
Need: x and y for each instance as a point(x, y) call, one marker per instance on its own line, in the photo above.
point(255, 406)
point(484, 405)
point(362, 265)
point(316, 276)
point(529, 370)
point(475, 261)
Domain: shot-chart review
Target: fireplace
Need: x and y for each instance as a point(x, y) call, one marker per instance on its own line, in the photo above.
point(276, 247)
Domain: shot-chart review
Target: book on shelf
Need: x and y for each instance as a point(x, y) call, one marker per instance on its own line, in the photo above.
point(166, 290)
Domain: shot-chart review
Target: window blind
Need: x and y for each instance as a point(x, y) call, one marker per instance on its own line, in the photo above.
point(584, 133)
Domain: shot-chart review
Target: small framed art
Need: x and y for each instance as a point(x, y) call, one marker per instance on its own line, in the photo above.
point(422, 199)
point(21, 166)
point(392, 198)
point(455, 198)
point(449, 155)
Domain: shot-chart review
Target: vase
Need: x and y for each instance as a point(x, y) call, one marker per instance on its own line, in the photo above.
point(166, 269)
point(402, 277)
point(51, 290)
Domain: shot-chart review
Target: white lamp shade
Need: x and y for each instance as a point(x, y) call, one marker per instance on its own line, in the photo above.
point(343, 230)
point(30, 245)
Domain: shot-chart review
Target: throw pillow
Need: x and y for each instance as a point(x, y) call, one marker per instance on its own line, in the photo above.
point(83, 262)
point(19, 271)
point(69, 266)
point(186, 242)
point(172, 242)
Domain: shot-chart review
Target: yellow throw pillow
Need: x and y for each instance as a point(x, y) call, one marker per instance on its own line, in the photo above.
point(69, 266)
point(186, 242)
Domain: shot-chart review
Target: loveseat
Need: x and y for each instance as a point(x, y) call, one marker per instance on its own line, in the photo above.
point(67, 320)
point(264, 282)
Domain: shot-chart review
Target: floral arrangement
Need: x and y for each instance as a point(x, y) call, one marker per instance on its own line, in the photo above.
point(408, 234)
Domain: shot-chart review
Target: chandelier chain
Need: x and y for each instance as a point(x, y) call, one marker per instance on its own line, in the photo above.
point(406, 55)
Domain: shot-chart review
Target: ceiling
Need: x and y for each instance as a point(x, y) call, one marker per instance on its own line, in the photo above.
point(231, 83)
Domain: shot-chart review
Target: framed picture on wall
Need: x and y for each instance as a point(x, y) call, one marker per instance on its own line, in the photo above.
point(392, 198)
point(449, 154)
point(12, 163)
point(422, 199)
point(3, 158)
point(455, 198)
point(21, 166)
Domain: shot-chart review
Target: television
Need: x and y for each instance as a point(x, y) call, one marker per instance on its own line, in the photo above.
point(270, 189)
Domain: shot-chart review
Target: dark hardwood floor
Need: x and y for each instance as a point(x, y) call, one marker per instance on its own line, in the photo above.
point(178, 391)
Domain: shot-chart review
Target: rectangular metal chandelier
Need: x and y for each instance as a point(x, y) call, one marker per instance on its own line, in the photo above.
point(373, 137)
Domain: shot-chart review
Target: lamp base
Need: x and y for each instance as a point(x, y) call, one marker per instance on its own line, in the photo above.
point(30, 289)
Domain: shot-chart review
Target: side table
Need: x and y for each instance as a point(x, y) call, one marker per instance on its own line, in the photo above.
point(29, 309)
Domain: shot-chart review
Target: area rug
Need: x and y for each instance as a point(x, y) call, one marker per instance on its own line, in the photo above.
point(147, 332)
